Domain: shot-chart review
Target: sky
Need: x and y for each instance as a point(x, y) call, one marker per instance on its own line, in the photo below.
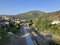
point(12, 7)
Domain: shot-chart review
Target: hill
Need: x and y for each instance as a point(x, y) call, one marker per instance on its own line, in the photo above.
point(30, 15)
point(36, 14)
point(54, 15)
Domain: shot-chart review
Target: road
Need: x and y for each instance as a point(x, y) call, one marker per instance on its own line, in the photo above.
point(28, 38)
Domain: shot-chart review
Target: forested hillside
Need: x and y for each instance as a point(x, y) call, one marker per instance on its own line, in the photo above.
point(27, 15)
point(44, 24)
point(30, 15)
point(35, 14)
point(54, 15)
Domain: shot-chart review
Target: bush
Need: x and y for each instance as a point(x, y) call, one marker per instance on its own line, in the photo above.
point(3, 35)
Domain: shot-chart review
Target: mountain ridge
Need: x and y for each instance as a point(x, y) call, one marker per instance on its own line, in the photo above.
point(35, 14)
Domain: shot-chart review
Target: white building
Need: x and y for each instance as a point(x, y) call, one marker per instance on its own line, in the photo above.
point(6, 18)
point(55, 22)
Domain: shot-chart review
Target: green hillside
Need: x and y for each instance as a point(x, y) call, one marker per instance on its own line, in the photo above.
point(35, 14)
point(30, 15)
point(54, 15)
point(44, 25)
